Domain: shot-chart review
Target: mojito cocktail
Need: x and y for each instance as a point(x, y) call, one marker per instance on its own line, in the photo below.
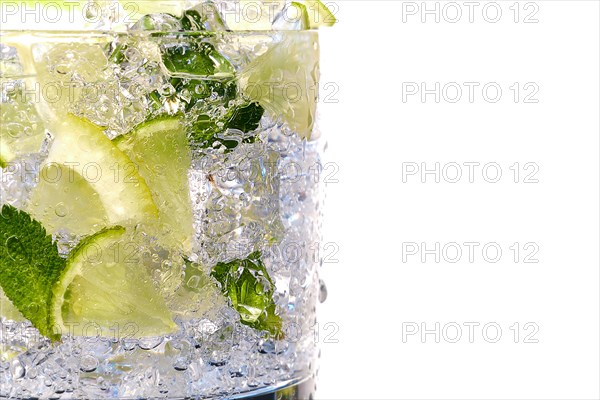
point(160, 202)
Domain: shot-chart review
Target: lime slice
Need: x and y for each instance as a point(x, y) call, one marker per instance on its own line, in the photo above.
point(284, 80)
point(63, 199)
point(8, 310)
point(160, 148)
point(106, 286)
point(85, 150)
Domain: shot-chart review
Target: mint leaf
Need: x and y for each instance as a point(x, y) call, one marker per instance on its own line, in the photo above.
point(194, 58)
point(245, 118)
point(117, 55)
point(190, 63)
point(192, 21)
point(204, 17)
point(204, 90)
point(29, 267)
point(250, 289)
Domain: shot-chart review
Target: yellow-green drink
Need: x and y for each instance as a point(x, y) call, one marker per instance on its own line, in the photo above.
point(159, 203)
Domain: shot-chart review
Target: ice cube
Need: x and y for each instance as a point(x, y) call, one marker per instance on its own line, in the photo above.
point(158, 22)
point(204, 16)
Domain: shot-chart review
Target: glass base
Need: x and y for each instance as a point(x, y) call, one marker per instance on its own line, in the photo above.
point(304, 390)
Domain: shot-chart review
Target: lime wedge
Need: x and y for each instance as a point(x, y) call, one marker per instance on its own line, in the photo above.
point(72, 75)
point(86, 151)
point(291, 70)
point(12, 147)
point(319, 14)
point(251, 15)
point(22, 130)
point(9, 311)
point(160, 148)
point(106, 286)
point(257, 15)
point(7, 354)
point(301, 16)
point(6, 154)
point(31, 14)
point(144, 7)
point(63, 199)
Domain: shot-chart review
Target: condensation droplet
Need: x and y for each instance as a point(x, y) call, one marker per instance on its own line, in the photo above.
point(322, 291)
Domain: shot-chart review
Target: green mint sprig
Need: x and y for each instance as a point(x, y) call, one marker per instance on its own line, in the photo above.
point(30, 265)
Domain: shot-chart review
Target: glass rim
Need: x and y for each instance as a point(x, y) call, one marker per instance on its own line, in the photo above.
point(151, 33)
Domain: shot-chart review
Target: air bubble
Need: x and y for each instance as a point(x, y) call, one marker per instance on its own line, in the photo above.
point(88, 363)
point(31, 373)
point(167, 90)
point(181, 364)
point(18, 369)
point(262, 286)
point(149, 343)
point(194, 282)
point(129, 344)
point(61, 210)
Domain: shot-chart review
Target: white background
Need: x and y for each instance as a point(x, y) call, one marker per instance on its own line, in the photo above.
point(371, 54)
